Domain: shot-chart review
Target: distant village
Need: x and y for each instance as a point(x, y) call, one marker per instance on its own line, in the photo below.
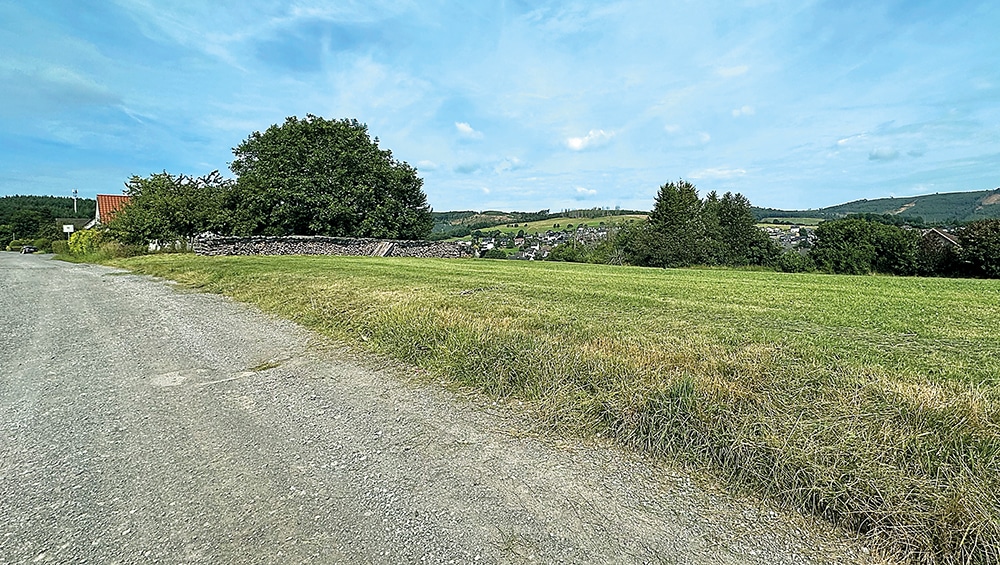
point(537, 246)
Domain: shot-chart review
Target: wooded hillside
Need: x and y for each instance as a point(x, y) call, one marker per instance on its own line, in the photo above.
point(950, 207)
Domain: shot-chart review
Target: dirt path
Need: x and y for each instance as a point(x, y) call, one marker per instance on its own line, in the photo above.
point(141, 424)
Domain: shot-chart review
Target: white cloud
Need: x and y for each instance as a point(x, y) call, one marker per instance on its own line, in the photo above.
point(485, 190)
point(468, 131)
point(883, 154)
point(717, 173)
point(427, 165)
point(729, 72)
point(851, 139)
point(671, 128)
point(586, 191)
point(704, 137)
point(507, 164)
point(744, 111)
point(594, 138)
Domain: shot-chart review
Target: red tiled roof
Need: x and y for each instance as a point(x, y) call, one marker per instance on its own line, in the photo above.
point(109, 204)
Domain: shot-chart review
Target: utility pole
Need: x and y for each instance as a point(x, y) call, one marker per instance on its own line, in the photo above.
point(74, 201)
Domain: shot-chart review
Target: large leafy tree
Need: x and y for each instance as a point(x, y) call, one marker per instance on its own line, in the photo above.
point(685, 230)
point(166, 207)
point(676, 235)
point(735, 239)
point(315, 176)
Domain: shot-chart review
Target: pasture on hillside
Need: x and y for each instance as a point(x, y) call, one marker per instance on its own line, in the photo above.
point(871, 401)
point(564, 222)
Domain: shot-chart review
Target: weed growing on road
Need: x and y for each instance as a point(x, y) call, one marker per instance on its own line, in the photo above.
point(872, 401)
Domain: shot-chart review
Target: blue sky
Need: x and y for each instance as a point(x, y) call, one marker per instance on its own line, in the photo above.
point(517, 105)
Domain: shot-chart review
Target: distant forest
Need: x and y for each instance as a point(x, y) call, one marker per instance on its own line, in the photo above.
point(29, 217)
point(951, 208)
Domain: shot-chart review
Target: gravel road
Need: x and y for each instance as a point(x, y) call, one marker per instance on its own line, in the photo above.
point(140, 423)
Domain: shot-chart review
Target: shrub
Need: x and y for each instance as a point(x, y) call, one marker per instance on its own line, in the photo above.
point(85, 242)
point(43, 244)
point(494, 253)
point(16, 244)
point(794, 262)
point(60, 247)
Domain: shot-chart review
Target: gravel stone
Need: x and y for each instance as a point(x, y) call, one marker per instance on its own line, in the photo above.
point(134, 429)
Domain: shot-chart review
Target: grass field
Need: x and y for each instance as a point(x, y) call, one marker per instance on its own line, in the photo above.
point(872, 401)
point(786, 222)
point(545, 225)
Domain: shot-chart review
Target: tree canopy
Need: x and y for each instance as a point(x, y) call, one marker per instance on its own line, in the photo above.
point(685, 230)
point(315, 176)
point(166, 207)
point(981, 247)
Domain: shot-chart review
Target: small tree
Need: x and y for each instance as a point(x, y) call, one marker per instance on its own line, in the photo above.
point(844, 247)
point(165, 207)
point(325, 177)
point(896, 249)
point(980, 242)
point(857, 246)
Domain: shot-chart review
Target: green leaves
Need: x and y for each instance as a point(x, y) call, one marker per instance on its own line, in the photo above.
point(314, 176)
point(166, 207)
point(858, 246)
point(683, 230)
point(981, 247)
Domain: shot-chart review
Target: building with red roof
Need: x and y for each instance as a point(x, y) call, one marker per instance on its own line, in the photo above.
point(107, 206)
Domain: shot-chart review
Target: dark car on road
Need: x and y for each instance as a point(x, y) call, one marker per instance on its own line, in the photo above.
point(29, 249)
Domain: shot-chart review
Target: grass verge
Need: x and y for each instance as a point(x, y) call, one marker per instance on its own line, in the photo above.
point(871, 401)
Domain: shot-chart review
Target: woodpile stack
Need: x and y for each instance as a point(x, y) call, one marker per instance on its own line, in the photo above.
point(322, 245)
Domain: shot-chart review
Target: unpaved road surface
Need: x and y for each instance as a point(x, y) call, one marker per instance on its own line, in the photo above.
point(144, 424)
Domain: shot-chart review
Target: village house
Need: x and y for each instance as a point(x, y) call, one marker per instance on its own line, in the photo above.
point(107, 206)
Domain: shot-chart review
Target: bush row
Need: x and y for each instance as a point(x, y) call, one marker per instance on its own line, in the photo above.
point(43, 244)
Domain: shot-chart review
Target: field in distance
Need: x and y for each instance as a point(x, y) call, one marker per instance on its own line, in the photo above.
point(563, 222)
point(872, 401)
point(461, 224)
point(784, 223)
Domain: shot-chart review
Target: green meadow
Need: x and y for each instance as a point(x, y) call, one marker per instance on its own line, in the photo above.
point(541, 226)
point(870, 401)
point(786, 222)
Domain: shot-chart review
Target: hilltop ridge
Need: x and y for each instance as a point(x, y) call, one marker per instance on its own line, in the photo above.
point(938, 208)
point(946, 207)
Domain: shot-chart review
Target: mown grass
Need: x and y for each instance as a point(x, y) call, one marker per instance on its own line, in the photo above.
point(871, 401)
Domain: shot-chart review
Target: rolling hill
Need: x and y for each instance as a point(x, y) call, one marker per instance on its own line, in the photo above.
point(949, 207)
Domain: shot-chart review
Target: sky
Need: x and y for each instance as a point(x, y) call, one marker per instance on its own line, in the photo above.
point(516, 104)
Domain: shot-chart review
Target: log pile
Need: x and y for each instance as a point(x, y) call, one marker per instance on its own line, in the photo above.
point(321, 245)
